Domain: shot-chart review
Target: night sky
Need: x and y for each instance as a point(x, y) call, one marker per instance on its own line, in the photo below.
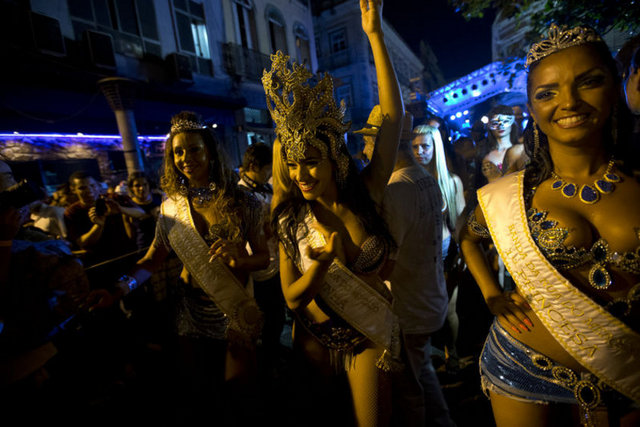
point(461, 46)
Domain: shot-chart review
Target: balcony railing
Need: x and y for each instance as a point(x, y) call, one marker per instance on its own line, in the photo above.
point(243, 62)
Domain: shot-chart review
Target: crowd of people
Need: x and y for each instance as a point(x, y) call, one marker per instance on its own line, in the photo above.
point(179, 301)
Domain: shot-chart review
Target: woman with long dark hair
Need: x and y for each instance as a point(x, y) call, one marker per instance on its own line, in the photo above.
point(566, 340)
point(334, 245)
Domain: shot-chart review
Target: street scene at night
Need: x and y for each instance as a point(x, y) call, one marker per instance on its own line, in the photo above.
point(320, 213)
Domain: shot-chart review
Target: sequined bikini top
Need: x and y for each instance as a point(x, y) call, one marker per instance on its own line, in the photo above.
point(550, 238)
point(373, 255)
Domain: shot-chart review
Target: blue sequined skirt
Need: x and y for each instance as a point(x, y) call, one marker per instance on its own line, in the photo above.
point(513, 369)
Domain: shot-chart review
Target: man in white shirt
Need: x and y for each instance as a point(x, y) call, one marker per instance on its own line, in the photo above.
point(412, 209)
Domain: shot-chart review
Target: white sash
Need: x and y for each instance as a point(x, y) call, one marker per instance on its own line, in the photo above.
point(354, 300)
point(597, 340)
point(214, 278)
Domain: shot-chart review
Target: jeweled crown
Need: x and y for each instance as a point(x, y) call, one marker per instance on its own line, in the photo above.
point(303, 112)
point(185, 125)
point(559, 38)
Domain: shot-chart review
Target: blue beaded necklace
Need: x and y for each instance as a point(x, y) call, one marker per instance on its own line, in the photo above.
point(589, 194)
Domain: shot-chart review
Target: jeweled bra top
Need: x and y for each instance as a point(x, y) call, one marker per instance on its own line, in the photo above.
point(373, 255)
point(550, 238)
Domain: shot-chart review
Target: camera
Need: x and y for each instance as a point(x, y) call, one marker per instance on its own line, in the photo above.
point(21, 194)
point(101, 207)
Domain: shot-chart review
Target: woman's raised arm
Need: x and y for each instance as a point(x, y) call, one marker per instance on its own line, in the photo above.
point(377, 173)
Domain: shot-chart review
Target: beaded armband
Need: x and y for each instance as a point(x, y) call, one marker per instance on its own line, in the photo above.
point(476, 228)
point(127, 284)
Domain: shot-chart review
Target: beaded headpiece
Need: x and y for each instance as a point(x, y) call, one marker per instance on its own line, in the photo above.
point(559, 38)
point(185, 125)
point(302, 113)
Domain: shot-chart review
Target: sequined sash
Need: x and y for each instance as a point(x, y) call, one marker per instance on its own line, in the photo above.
point(224, 289)
point(597, 340)
point(354, 300)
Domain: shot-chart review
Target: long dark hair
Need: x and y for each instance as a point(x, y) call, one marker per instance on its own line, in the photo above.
point(540, 164)
point(352, 192)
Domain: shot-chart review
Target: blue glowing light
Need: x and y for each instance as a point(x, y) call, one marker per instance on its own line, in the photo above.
point(453, 117)
point(475, 93)
point(465, 112)
point(458, 114)
point(79, 135)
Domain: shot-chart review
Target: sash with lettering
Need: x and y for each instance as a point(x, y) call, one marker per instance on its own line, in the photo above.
point(354, 300)
point(217, 281)
point(597, 340)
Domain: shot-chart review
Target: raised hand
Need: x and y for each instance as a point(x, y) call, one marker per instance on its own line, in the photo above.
point(371, 11)
point(95, 218)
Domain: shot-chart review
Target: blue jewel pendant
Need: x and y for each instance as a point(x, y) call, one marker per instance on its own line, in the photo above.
point(605, 187)
point(569, 190)
point(599, 277)
point(589, 195)
point(612, 177)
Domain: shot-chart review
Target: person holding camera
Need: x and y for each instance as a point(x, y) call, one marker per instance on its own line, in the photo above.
point(95, 224)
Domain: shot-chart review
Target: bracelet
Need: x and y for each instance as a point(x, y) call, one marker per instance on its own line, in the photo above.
point(6, 243)
point(127, 284)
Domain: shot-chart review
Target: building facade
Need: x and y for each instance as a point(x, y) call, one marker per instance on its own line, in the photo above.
point(204, 55)
point(343, 50)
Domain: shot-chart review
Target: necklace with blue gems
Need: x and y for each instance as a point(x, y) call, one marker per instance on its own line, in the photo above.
point(589, 194)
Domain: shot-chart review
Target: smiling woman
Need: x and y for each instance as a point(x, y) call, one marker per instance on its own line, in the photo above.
point(334, 245)
point(563, 228)
point(572, 96)
point(313, 175)
point(209, 222)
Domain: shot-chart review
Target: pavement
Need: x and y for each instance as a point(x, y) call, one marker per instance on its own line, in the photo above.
point(92, 381)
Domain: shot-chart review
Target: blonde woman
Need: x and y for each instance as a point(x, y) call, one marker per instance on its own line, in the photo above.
point(428, 150)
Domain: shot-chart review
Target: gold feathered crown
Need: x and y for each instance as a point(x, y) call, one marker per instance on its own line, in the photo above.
point(559, 38)
point(303, 112)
